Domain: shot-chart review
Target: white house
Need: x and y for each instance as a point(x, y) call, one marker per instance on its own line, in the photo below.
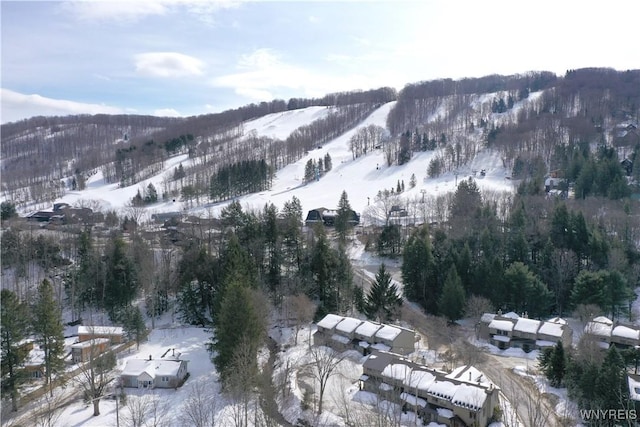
point(152, 373)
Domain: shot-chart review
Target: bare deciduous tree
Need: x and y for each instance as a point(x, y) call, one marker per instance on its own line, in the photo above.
point(95, 374)
point(322, 366)
point(200, 407)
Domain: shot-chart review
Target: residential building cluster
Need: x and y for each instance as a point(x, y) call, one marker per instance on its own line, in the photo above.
point(511, 330)
point(461, 398)
point(606, 332)
point(348, 333)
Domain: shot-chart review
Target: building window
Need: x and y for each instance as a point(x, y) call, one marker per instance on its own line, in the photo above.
point(165, 379)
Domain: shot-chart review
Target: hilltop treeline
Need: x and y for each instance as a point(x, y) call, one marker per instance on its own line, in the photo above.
point(37, 153)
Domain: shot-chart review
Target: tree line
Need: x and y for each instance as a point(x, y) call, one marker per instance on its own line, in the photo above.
point(545, 257)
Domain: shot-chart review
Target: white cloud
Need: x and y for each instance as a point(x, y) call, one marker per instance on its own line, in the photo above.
point(167, 112)
point(167, 64)
point(133, 11)
point(263, 75)
point(17, 106)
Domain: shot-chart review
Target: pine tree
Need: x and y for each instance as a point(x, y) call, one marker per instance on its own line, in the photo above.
point(309, 171)
point(383, 298)
point(557, 365)
point(238, 322)
point(14, 328)
point(412, 181)
point(134, 325)
point(452, 299)
point(344, 216)
point(48, 328)
point(417, 270)
point(121, 282)
point(327, 163)
point(150, 195)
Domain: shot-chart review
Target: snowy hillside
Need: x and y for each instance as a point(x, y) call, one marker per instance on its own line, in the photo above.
point(362, 178)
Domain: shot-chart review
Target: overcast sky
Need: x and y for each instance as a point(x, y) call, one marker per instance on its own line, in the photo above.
point(180, 57)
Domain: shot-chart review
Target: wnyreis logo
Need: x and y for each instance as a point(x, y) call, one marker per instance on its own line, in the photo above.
point(608, 414)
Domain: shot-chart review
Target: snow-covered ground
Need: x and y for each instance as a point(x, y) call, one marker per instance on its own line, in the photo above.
point(361, 178)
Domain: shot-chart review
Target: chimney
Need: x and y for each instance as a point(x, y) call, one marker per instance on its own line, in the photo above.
point(149, 357)
point(469, 375)
point(173, 352)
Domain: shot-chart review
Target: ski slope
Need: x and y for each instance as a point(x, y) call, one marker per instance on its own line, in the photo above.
point(361, 178)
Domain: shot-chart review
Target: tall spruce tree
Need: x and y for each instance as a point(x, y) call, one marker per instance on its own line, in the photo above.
point(238, 322)
point(344, 216)
point(417, 270)
point(383, 298)
point(14, 328)
point(49, 331)
point(121, 279)
point(452, 300)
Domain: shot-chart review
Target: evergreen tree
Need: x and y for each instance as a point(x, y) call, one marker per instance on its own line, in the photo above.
point(611, 387)
point(273, 248)
point(134, 325)
point(417, 270)
point(383, 298)
point(343, 218)
point(554, 364)
point(121, 281)
point(292, 235)
point(557, 365)
point(452, 300)
point(412, 180)
point(323, 267)
point(49, 331)
point(309, 171)
point(14, 328)
point(327, 163)
point(238, 322)
point(150, 195)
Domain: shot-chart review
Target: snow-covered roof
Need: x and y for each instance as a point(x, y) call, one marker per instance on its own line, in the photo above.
point(330, 321)
point(340, 339)
point(529, 326)
point(603, 319)
point(397, 371)
point(135, 367)
point(388, 332)
point(511, 315)
point(553, 329)
point(364, 344)
point(100, 330)
point(443, 389)
point(348, 325)
point(419, 380)
point(598, 328)
point(626, 332)
point(487, 317)
point(543, 343)
point(469, 397)
point(501, 325)
point(367, 329)
point(559, 320)
point(90, 342)
point(468, 374)
point(413, 400)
